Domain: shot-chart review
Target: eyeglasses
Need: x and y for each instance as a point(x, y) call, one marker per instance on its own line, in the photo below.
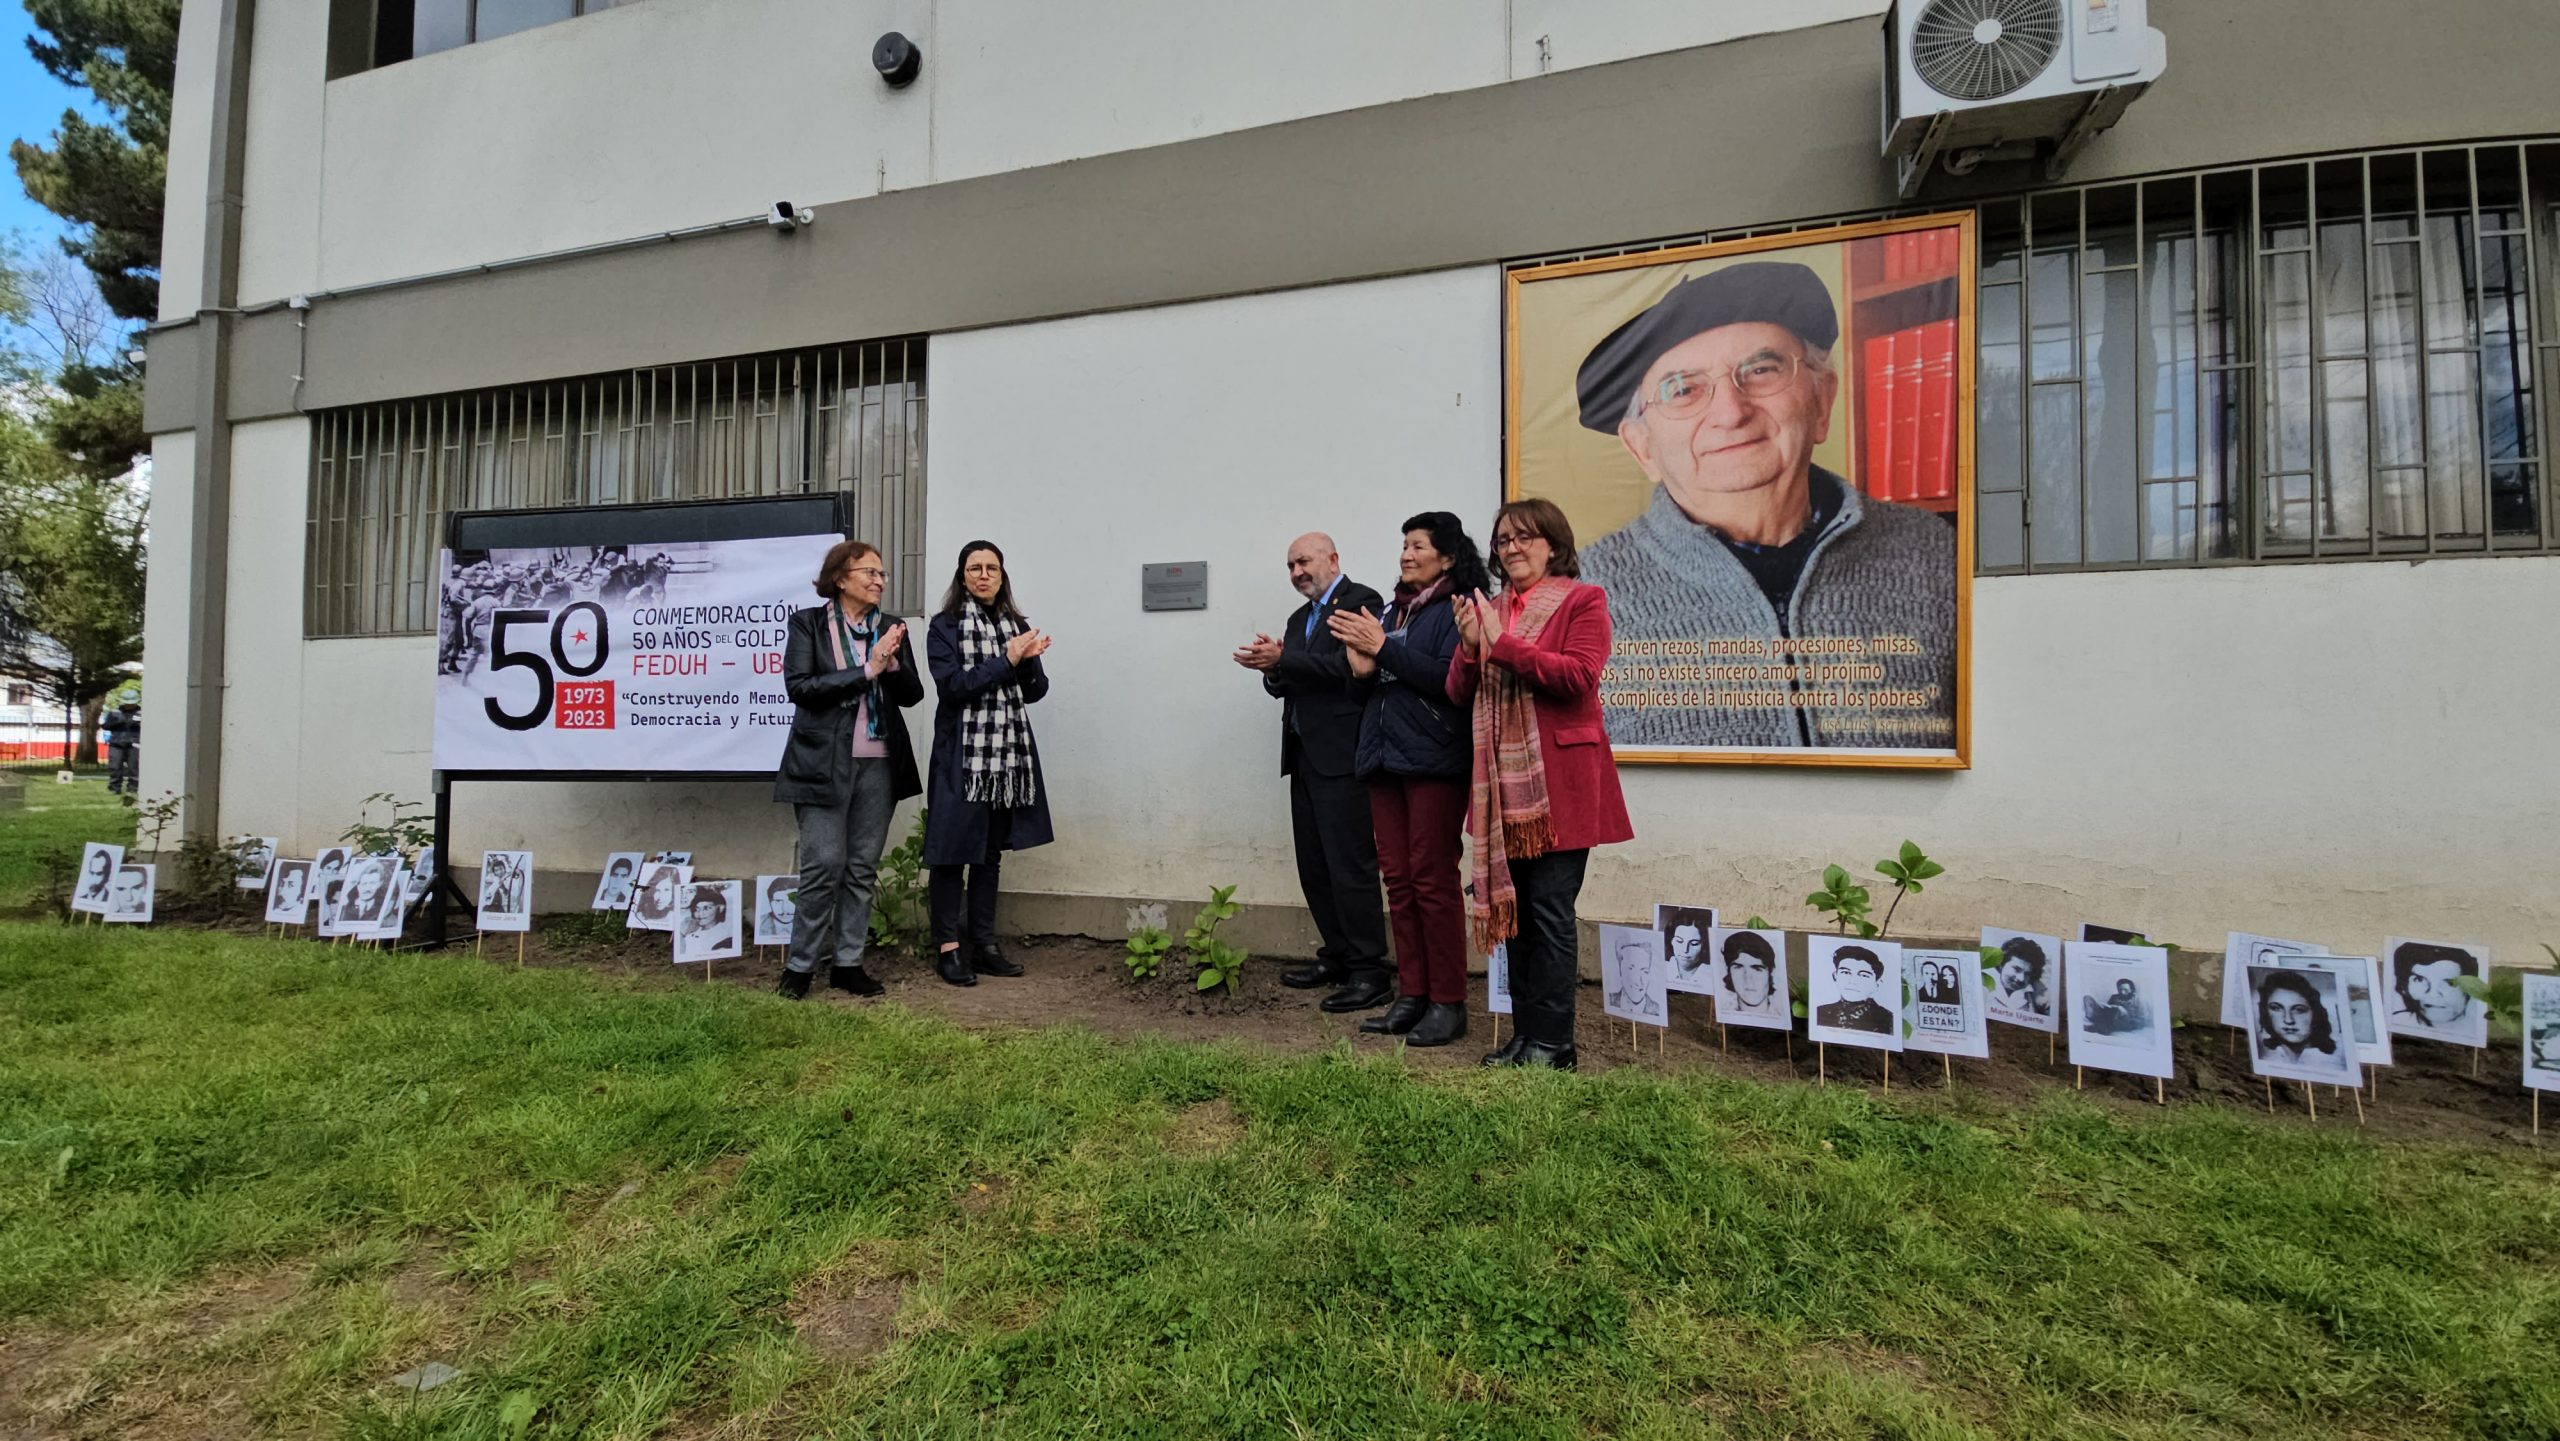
point(983, 570)
point(1512, 539)
point(1685, 393)
point(873, 571)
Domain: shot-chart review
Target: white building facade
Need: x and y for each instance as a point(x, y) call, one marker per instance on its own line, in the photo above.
point(1175, 282)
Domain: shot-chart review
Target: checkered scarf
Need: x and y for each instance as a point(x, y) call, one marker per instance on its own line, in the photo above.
point(995, 736)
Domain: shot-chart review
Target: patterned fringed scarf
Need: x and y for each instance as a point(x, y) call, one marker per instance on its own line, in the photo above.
point(995, 736)
point(1507, 814)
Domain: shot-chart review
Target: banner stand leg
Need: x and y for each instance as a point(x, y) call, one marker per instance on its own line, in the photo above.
point(443, 838)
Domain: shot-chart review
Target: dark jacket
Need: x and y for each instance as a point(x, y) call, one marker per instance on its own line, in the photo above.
point(955, 831)
point(1410, 726)
point(1320, 715)
point(122, 730)
point(817, 760)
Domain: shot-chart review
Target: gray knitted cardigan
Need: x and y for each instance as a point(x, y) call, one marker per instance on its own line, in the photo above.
point(1721, 673)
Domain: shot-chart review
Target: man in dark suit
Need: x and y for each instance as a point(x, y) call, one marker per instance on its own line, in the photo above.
point(1328, 806)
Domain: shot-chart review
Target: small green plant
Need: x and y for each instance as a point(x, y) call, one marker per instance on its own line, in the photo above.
point(2502, 997)
point(408, 828)
point(206, 875)
point(1906, 870)
point(1147, 947)
point(154, 817)
point(899, 905)
point(1220, 964)
point(1852, 906)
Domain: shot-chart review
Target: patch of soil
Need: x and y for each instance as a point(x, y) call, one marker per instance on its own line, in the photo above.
point(847, 1321)
point(983, 1194)
point(132, 1380)
point(1211, 1125)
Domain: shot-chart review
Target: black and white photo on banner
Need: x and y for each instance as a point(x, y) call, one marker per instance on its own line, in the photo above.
point(776, 907)
point(2361, 977)
point(92, 893)
point(655, 900)
point(709, 927)
point(621, 877)
point(1943, 1001)
point(1631, 968)
point(506, 890)
point(2025, 978)
point(2299, 1029)
point(2116, 1007)
point(1751, 978)
point(1853, 992)
point(1688, 963)
point(2422, 999)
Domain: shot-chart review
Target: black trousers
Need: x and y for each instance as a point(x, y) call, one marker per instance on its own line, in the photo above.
point(950, 893)
point(1338, 869)
point(1544, 953)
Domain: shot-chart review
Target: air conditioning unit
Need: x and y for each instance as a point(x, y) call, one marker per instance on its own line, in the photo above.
point(1967, 81)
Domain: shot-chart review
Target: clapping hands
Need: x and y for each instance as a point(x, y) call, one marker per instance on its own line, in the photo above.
point(1026, 645)
point(884, 651)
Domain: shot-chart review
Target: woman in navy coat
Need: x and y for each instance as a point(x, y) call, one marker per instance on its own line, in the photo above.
point(984, 795)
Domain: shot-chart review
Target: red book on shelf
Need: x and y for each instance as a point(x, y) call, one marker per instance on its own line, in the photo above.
point(1908, 361)
point(1935, 467)
point(1876, 384)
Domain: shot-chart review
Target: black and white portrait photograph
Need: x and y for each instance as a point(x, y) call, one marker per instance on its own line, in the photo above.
point(2541, 1031)
point(132, 894)
point(708, 929)
point(613, 888)
point(2024, 980)
point(329, 885)
point(774, 909)
point(2116, 1005)
point(98, 864)
point(395, 907)
point(506, 890)
point(2298, 1026)
point(421, 876)
point(1497, 980)
point(1943, 1003)
point(654, 900)
point(1631, 969)
point(371, 887)
point(1687, 962)
point(1853, 992)
point(289, 894)
point(2241, 950)
point(2361, 976)
point(1751, 978)
point(2421, 999)
point(255, 855)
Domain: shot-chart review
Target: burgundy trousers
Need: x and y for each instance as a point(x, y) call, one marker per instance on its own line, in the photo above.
point(1418, 820)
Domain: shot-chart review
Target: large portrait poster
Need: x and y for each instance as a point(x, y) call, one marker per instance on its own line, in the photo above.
point(658, 657)
point(1765, 449)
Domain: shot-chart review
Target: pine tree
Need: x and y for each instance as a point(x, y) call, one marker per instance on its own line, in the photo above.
point(109, 178)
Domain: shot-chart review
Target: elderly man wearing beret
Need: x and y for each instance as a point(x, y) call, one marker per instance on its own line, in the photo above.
point(1720, 392)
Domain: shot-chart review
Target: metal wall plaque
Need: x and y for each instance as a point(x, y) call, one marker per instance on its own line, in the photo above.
point(1174, 585)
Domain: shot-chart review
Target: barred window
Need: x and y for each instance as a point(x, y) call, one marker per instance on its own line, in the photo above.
point(386, 477)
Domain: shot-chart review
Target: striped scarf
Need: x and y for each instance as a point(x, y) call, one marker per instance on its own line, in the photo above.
point(1507, 813)
point(995, 736)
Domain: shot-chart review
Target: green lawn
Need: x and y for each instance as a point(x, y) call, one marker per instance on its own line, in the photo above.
point(609, 1207)
point(55, 818)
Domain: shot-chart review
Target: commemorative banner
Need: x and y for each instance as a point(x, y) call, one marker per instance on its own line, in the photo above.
point(651, 657)
point(1765, 449)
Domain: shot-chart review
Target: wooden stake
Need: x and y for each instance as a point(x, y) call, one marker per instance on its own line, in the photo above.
point(2078, 1075)
point(2475, 1065)
point(2050, 1041)
point(1822, 1062)
point(1662, 1043)
point(1720, 1041)
point(2359, 1094)
point(2271, 1095)
point(2311, 1098)
point(2537, 1113)
point(1888, 1072)
point(1949, 1067)
point(2160, 1090)
point(519, 950)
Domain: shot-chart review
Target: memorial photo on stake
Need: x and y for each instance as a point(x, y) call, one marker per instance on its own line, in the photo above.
point(289, 894)
point(1751, 978)
point(1497, 980)
point(653, 902)
point(2542, 1031)
point(329, 885)
point(506, 890)
point(1631, 967)
point(421, 876)
point(2421, 1000)
point(255, 855)
point(1765, 447)
point(2116, 1004)
point(1943, 1006)
point(620, 878)
point(2298, 1029)
point(395, 909)
point(709, 928)
point(370, 889)
point(92, 893)
point(2362, 978)
point(2024, 980)
point(774, 909)
point(2241, 950)
point(1853, 992)
point(1688, 963)
point(132, 895)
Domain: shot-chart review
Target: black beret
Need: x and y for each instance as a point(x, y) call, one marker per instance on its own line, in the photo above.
point(1778, 292)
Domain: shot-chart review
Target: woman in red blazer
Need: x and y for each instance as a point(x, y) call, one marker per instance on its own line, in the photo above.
point(1545, 786)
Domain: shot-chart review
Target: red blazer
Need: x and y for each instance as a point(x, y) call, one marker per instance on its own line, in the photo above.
point(1563, 671)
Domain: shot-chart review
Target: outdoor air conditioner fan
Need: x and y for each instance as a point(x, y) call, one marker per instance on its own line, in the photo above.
point(1971, 80)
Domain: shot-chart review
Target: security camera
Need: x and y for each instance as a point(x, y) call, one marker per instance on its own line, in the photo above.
point(898, 59)
point(785, 216)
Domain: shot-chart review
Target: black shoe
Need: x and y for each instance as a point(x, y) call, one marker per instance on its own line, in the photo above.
point(1309, 978)
point(953, 966)
point(1539, 1053)
point(1358, 994)
point(1506, 1054)
point(851, 978)
point(795, 985)
point(1399, 1017)
point(986, 960)
point(1443, 1023)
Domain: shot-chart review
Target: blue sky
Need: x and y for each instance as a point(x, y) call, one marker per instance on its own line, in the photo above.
point(31, 105)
